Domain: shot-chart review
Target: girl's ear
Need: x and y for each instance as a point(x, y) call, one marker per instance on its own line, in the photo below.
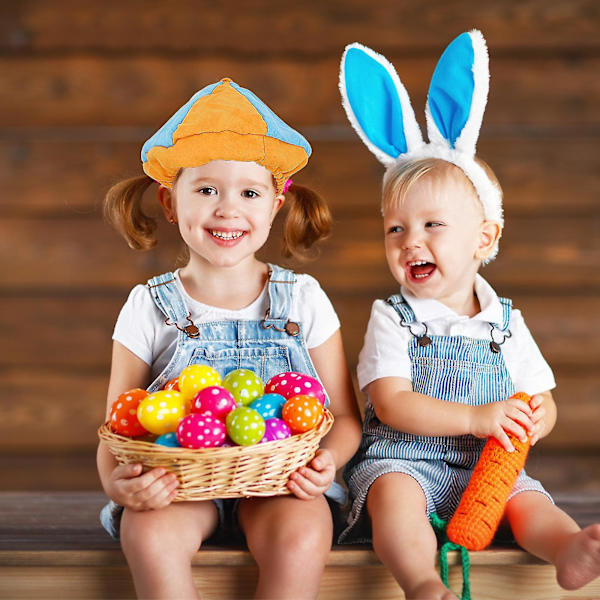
point(167, 201)
point(277, 204)
point(377, 104)
point(489, 234)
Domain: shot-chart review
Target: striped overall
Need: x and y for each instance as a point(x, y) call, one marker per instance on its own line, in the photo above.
point(451, 368)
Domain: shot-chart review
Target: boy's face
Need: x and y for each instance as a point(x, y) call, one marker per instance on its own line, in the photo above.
point(433, 238)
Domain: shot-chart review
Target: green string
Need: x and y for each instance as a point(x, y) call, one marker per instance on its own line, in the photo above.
point(439, 526)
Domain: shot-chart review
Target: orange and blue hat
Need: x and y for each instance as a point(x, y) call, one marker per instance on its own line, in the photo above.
point(224, 121)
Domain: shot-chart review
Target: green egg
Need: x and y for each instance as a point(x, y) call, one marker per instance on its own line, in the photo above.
point(245, 426)
point(245, 386)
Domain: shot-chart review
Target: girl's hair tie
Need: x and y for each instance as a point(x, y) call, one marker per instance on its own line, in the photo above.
point(287, 185)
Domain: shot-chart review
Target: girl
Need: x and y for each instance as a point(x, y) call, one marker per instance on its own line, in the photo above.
point(223, 163)
point(442, 358)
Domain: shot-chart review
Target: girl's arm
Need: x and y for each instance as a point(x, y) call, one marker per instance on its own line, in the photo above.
point(338, 446)
point(125, 484)
point(396, 405)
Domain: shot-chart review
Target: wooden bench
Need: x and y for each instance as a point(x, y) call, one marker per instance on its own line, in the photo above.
point(52, 546)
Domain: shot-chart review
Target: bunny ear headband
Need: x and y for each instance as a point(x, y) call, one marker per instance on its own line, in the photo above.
point(379, 108)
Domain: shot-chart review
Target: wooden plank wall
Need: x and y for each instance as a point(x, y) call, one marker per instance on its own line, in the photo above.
point(85, 83)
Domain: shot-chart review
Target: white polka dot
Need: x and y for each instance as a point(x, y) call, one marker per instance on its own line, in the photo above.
point(149, 408)
point(284, 382)
point(119, 405)
point(307, 384)
point(215, 392)
point(234, 384)
point(160, 416)
point(297, 390)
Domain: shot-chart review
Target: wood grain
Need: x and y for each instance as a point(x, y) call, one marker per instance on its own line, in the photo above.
point(134, 91)
point(305, 30)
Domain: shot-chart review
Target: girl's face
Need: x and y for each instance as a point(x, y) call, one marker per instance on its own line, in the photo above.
point(224, 210)
point(436, 238)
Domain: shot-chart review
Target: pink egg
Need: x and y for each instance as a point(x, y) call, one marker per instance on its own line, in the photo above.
point(200, 431)
point(214, 400)
point(275, 429)
point(293, 384)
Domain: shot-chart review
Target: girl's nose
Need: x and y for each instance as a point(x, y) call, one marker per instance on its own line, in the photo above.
point(227, 207)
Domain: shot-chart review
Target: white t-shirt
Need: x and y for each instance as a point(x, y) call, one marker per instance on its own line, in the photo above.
point(385, 350)
point(141, 325)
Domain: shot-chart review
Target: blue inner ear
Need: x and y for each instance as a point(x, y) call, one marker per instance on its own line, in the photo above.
point(373, 97)
point(451, 89)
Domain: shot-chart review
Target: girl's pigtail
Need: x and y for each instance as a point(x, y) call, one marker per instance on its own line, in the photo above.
point(123, 209)
point(308, 221)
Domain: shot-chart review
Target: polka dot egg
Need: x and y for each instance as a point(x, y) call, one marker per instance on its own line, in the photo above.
point(123, 413)
point(302, 413)
point(292, 384)
point(195, 378)
point(200, 431)
point(276, 429)
point(215, 400)
point(245, 426)
point(161, 411)
point(245, 385)
point(269, 406)
point(167, 439)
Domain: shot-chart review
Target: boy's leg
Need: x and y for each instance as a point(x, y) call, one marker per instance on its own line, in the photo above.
point(403, 537)
point(159, 546)
point(548, 532)
point(290, 540)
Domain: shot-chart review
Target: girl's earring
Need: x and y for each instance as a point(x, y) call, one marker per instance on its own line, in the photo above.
point(172, 221)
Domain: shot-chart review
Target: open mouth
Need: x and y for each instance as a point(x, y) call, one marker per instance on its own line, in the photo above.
point(420, 270)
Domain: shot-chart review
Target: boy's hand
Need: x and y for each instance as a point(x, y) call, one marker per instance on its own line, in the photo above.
point(496, 419)
point(538, 417)
point(313, 480)
point(151, 490)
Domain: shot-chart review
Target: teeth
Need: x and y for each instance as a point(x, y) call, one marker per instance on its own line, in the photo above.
point(227, 235)
point(417, 263)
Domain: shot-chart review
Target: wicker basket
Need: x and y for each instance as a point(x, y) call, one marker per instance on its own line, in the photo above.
point(258, 470)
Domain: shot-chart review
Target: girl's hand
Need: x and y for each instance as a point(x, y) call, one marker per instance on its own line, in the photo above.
point(313, 480)
point(151, 490)
point(538, 417)
point(497, 418)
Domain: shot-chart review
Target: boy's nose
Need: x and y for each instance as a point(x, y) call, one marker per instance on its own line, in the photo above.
point(411, 240)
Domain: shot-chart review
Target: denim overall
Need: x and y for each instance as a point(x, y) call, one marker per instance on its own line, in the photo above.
point(451, 368)
point(267, 347)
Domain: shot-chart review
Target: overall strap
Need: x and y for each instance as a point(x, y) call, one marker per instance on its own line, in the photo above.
point(168, 298)
point(399, 304)
point(506, 312)
point(281, 288)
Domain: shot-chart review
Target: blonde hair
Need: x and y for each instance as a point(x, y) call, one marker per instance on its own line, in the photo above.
point(308, 218)
point(399, 178)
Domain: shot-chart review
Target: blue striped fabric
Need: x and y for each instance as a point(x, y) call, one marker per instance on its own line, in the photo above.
point(454, 369)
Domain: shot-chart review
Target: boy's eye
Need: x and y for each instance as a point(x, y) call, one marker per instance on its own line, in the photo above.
point(434, 224)
point(249, 194)
point(395, 229)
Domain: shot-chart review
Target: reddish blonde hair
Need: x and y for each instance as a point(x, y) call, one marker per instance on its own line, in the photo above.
point(308, 218)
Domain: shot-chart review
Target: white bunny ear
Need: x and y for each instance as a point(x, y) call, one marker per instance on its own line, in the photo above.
point(458, 94)
point(377, 104)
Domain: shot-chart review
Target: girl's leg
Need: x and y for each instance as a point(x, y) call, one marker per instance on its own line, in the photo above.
point(290, 540)
point(159, 546)
point(551, 534)
point(403, 537)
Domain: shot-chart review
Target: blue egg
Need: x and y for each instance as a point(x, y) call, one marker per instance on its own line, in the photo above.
point(168, 439)
point(269, 406)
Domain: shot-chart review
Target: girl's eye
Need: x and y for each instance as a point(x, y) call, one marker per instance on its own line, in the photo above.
point(249, 194)
point(207, 191)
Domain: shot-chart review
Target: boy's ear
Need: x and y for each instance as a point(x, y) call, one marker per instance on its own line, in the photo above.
point(489, 234)
point(167, 201)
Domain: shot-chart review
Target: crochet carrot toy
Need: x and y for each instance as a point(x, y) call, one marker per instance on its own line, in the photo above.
point(482, 504)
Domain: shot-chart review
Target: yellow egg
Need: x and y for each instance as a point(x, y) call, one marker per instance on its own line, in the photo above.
point(197, 377)
point(160, 412)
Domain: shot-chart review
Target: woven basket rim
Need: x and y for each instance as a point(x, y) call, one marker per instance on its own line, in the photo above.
point(106, 434)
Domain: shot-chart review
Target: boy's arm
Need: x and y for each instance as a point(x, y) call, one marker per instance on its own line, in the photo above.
point(396, 405)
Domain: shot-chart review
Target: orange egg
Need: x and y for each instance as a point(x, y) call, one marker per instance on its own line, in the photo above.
point(123, 413)
point(172, 384)
point(302, 413)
